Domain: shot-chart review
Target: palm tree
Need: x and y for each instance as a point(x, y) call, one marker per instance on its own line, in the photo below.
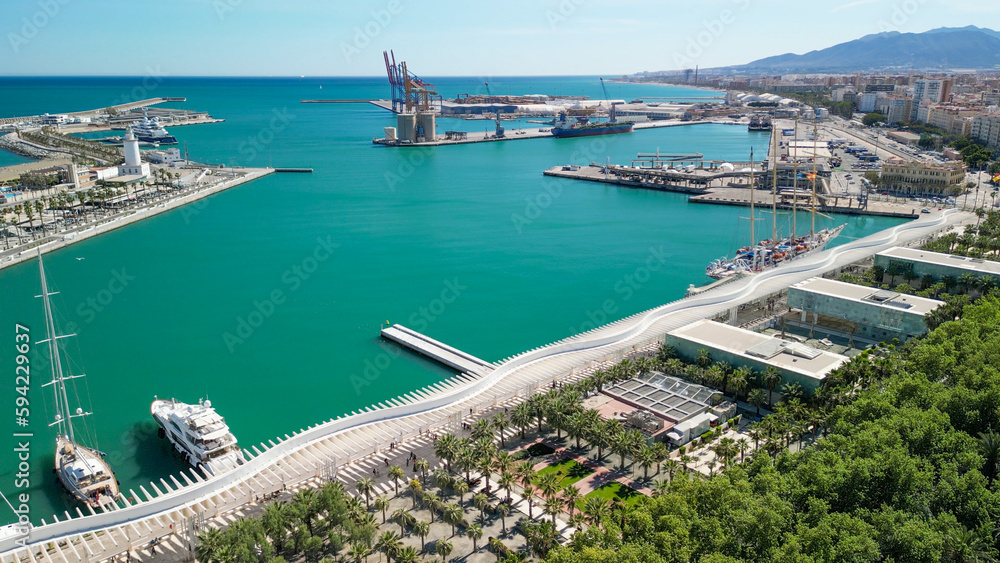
point(365, 486)
point(209, 543)
point(415, 490)
point(771, 379)
point(661, 487)
point(791, 391)
point(506, 481)
point(277, 518)
point(446, 447)
point(431, 502)
point(442, 479)
point(358, 552)
point(482, 429)
point(389, 544)
point(396, 473)
point(570, 495)
point(646, 459)
point(553, 506)
point(401, 517)
point(501, 423)
point(407, 555)
point(522, 417)
point(461, 487)
point(474, 533)
point(529, 494)
point(422, 528)
point(989, 445)
point(596, 509)
point(703, 359)
point(757, 398)
point(422, 466)
point(443, 548)
point(481, 501)
point(739, 380)
point(548, 483)
point(600, 438)
point(503, 509)
point(453, 515)
point(382, 503)
point(524, 471)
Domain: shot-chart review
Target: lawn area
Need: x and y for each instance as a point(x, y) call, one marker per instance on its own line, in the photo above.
point(615, 491)
point(568, 471)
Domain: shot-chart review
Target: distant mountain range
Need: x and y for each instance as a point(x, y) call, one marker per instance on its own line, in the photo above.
point(944, 48)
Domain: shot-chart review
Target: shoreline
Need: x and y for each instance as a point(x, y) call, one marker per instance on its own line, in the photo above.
point(61, 240)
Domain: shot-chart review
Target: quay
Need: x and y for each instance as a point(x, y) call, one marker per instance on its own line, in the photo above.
point(175, 510)
point(435, 350)
point(19, 254)
point(120, 108)
point(462, 137)
point(335, 101)
point(295, 170)
point(698, 185)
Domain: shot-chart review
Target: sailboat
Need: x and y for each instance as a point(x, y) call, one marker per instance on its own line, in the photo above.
point(770, 252)
point(81, 470)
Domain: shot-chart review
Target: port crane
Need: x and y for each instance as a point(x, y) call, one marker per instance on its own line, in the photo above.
point(499, 130)
point(611, 106)
point(409, 92)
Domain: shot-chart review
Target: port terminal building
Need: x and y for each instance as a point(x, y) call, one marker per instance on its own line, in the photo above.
point(900, 260)
point(869, 313)
point(663, 407)
point(797, 362)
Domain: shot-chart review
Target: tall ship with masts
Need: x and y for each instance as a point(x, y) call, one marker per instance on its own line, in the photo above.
point(767, 253)
point(80, 469)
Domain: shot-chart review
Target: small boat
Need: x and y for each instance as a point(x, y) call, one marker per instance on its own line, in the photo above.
point(198, 432)
point(81, 470)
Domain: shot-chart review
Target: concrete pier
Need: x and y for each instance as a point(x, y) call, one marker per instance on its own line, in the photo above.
point(437, 351)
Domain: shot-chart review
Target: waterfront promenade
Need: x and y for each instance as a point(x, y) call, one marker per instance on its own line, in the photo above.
point(323, 451)
point(65, 238)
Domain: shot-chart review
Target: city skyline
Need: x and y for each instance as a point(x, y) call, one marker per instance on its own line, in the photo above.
point(566, 37)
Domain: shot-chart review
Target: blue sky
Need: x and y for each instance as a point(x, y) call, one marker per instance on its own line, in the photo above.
point(541, 37)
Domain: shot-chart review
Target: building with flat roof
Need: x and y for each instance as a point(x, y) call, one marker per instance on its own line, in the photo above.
point(797, 363)
point(904, 137)
point(901, 259)
point(664, 407)
point(876, 314)
point(986, 130)
point(921, 178)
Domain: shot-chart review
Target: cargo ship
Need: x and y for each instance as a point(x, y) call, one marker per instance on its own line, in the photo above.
point(759, 122)
point(585, 129)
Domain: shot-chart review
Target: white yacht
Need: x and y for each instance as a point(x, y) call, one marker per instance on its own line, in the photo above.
point(198, 433)
point(150, 131)
point(81, 470)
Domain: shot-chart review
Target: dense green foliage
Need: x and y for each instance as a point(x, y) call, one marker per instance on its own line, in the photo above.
point(907, 471)
point(872, 118)
point(981, 240)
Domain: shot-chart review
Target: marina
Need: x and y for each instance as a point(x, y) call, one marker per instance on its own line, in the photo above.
point(319, 452)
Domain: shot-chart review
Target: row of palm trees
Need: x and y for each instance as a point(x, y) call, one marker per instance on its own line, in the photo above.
point(85, 203)
point(330, 519)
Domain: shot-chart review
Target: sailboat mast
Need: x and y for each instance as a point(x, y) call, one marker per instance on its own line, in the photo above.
point(812, 227)
point(795, 177)
point(753, 235)
point(65, 424)
point(774, 188)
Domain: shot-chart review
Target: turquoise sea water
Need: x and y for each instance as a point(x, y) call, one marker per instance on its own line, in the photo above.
point(469, 244)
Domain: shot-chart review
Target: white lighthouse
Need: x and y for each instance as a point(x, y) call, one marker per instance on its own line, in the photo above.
point(134, 166)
